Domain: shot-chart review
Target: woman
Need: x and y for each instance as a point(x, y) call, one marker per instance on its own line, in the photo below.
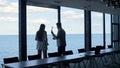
point(41, 38)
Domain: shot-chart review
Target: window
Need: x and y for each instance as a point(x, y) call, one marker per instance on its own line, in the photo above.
point(8, 29)
point(108, 29)
point(35, 17)
point(97, 28)
point(73, 22)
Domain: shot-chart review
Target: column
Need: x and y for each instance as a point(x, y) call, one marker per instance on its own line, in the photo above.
point(87, 19)
point(104, 32)
point(59, 14)
point(22, 31)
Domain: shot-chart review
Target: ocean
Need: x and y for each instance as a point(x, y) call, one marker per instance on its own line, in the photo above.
point(9, 44)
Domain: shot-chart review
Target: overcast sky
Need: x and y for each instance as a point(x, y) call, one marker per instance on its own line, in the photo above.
point(72, 19)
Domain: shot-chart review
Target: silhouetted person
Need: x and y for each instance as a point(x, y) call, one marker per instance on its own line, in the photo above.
point(42, 43)
point(61, 38)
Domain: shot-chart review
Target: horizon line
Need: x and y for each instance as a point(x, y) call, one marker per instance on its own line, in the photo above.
point(50, 34)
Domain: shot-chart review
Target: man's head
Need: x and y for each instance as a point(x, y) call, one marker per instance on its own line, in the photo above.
point(59, 25)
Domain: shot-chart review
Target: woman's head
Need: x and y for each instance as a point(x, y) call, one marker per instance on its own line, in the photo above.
point(42, 27)
point(41, 32)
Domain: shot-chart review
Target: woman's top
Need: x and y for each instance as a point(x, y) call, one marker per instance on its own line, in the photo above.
point(41, 44)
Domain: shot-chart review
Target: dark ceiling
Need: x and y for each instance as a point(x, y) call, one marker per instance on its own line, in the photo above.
point(93, 5)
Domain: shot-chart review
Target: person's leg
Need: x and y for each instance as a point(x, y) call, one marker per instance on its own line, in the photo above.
point(44, 53)
point(61, 49)
point(66, 65)
point(40, 53)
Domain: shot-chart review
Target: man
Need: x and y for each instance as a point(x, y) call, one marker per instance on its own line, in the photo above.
point(61, 38)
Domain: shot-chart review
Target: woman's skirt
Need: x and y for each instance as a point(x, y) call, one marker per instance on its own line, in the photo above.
point(41, 46)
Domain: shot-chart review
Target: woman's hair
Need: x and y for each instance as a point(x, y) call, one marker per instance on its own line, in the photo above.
point(41, 32)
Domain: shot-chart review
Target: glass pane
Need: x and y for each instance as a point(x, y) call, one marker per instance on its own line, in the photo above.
point(35, 17)
point(108, 29)
point(115, 32)
point(73, 23)
point(8, 29)
point(97, 28)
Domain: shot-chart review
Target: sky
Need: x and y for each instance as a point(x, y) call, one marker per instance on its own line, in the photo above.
point(72, 19)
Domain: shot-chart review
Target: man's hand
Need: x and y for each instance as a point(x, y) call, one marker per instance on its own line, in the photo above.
point(53, 35)
point(52, 32)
